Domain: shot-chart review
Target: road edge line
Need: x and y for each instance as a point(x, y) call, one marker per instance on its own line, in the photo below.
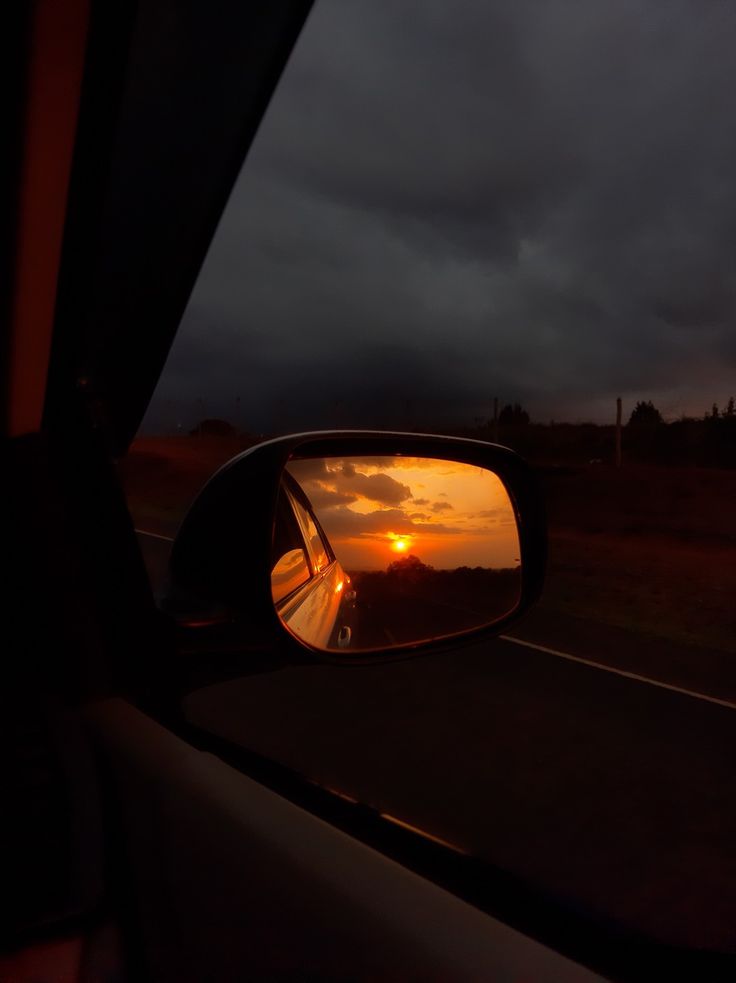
point(620, 672)
point(155, 535)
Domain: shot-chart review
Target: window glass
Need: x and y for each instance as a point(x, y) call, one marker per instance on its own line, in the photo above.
point(290, 572)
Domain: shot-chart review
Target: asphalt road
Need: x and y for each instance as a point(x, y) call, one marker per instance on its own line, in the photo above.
point(593, 762)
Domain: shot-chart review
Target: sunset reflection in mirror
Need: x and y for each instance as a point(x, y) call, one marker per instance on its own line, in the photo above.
point(430, 547)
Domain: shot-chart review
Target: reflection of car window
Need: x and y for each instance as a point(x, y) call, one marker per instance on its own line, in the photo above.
point(289, 560)
point(318, 550)
point(289, 572)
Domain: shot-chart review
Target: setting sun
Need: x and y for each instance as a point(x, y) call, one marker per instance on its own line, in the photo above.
point(401, 544)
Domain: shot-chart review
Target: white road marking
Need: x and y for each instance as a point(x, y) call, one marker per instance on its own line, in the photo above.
point(620, 672)
point(155, 535)
point(563, 655)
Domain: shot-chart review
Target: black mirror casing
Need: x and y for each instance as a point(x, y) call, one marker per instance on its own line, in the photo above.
point(221, 559)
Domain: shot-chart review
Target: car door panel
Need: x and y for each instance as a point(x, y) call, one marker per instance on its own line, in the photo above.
point(237, 883)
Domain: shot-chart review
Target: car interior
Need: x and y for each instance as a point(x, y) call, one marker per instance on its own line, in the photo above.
point(141, 843)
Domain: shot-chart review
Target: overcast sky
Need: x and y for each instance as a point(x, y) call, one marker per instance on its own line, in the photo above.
point(449, 201)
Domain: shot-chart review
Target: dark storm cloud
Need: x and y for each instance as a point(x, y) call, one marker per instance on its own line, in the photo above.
point(380, 488)
point(333, 484)
point(451, 201)
point(441, 507)
point(343, 522)
point(325, 498)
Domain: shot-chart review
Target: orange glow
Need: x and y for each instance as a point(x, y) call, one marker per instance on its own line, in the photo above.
point(339, 586)
point(448, 513)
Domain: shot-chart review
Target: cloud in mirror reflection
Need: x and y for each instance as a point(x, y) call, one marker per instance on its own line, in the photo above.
point(368, 509)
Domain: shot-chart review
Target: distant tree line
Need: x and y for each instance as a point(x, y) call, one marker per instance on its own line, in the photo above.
point(489, 592)
point(647, 414)
point(707, 441)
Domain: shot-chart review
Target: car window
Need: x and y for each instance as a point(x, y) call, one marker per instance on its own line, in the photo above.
point(513, 222)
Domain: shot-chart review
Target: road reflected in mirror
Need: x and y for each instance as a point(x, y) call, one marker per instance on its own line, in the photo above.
point(377, 552)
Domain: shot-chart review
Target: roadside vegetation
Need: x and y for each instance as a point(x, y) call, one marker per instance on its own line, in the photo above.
point(706, 442)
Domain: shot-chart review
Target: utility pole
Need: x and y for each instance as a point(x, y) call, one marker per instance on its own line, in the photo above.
point(618, 432)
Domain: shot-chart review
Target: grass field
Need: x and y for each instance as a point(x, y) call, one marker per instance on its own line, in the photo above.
point(647, 548)
point(162, 475)
point(653, 549)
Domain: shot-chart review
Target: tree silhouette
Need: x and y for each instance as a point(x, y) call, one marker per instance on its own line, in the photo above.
point(645, 414)
point(513, 415)
point(409, 568)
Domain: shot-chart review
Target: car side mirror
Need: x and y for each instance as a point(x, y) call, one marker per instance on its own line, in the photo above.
point(360, 545)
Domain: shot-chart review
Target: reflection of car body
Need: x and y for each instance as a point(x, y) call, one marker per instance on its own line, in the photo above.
point(307, 580)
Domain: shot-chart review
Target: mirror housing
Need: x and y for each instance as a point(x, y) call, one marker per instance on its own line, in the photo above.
point(221, 557)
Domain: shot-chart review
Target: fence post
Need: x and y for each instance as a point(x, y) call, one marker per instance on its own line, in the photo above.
point(495, 419)
point(618, 432)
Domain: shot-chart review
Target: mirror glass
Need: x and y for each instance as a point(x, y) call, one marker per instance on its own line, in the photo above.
point(375, 552)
